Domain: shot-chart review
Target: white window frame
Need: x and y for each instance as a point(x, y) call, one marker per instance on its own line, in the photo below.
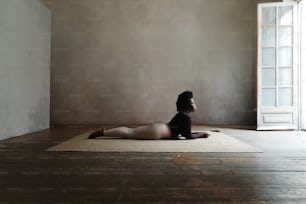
point(270, 118)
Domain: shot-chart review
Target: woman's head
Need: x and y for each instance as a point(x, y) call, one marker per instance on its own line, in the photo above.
point(185, 102)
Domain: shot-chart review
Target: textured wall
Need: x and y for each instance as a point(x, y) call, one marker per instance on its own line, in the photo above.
point(125, 61)
point(24, 67)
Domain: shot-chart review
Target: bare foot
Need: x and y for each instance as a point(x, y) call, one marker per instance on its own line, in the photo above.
point(95, 134)
point(205, 135)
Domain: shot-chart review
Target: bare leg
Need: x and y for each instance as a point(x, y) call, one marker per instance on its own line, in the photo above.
point(123, 132)
point(149, 132)
point(154, 131)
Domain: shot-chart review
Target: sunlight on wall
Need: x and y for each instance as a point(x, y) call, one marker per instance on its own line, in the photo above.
point(303, 64)
point(24, 67)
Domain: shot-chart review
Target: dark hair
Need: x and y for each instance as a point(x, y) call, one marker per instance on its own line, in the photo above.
point(183, 102)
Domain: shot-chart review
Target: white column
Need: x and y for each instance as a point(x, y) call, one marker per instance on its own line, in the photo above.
point(303, 65)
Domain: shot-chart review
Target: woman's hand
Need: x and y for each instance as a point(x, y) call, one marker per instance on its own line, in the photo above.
point(199, 135)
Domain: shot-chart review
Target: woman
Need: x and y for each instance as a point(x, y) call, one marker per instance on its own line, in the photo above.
point(179, 125)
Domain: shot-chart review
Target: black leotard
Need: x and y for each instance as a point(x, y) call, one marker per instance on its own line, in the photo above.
point(180, 124)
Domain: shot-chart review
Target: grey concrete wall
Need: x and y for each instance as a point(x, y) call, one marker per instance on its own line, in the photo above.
point(24, 67)
point(125, 61)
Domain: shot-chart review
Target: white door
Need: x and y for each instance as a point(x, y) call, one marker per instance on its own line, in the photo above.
point(277, 77)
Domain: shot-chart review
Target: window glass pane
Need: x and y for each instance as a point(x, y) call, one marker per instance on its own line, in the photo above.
point(268, 57)
point(285, 36)
point(285, 77)
point(269, 16)
point(285, 97)
point(285, 15)
point(268, 77)
point(268, 97)
point(268, 36)
point(285, 57)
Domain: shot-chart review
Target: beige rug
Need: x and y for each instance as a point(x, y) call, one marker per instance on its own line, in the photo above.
point(217, 142)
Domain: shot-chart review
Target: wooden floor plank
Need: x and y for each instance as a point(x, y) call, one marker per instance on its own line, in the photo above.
point(29, 174)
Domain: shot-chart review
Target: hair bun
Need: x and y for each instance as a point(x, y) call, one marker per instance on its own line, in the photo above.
point(183, 101)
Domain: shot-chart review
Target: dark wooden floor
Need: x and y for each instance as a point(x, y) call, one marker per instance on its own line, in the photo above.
point(29, 174)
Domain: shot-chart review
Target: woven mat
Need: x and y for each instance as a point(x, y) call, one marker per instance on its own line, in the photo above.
point(217, 142)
